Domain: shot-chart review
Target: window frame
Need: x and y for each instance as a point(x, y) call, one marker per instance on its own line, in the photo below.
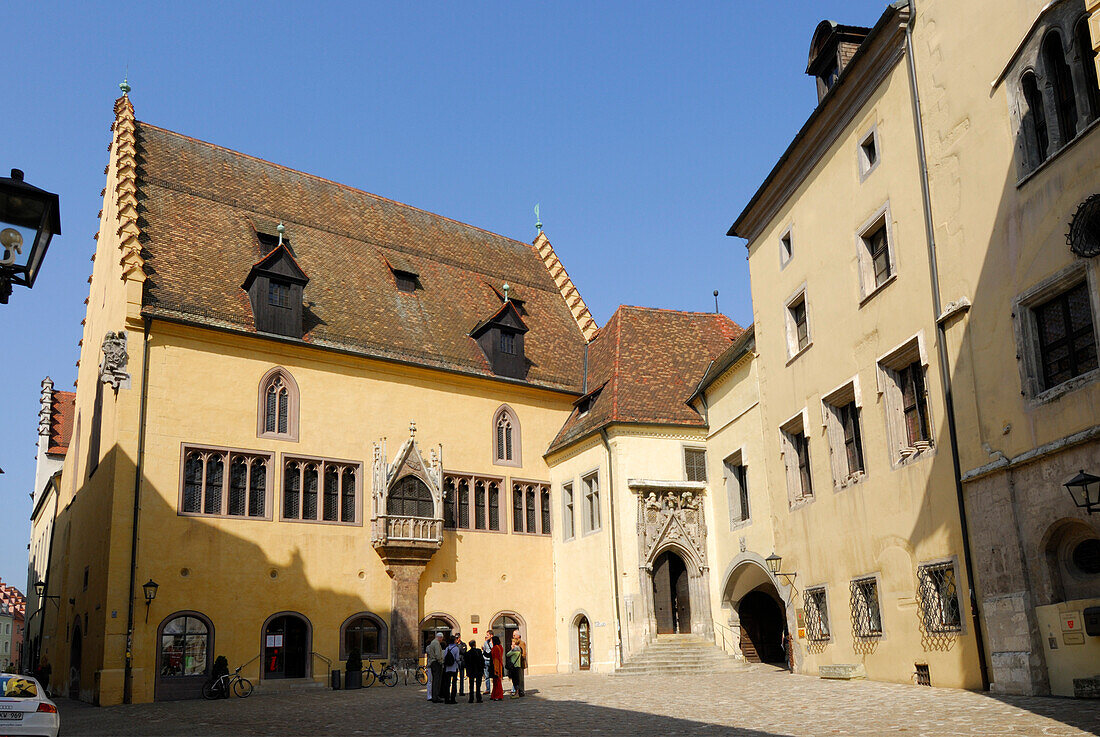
point(833, 405)
point(228, 453)
point(503, 516)
point(688, 449)
point(293, 405)
point(1026, 328)
point(568, 511)
point(786, 246)
point(856, 588)
point(793, 452)
point(735, 478)
point(889, 373)
point(869, 285)
point(321, 462)
point(505, 412)
point(210, 645)
point(587, 517)
point(866, 167)
point(535, 489)
point(794, 350)
point(942, 627)
point(383, 635)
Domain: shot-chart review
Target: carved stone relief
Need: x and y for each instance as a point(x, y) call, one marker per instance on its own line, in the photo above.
point(113, 366)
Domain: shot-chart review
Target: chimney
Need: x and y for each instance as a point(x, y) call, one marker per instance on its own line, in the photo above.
point(831, 48)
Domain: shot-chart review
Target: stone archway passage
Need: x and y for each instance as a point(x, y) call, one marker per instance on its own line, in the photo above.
point(671, 594)
point(762, 628)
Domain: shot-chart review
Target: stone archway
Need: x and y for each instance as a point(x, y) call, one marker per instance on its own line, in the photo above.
point(759, 613)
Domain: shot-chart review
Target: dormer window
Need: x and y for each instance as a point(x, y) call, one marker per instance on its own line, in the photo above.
point(275, 287)
point(406, 281)
point(501, 340)
point(831, 49)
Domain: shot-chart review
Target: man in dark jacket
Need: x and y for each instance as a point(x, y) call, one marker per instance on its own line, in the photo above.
point(474, 662)
point(461, 663)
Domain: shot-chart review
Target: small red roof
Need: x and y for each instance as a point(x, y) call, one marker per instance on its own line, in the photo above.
point(61, 422)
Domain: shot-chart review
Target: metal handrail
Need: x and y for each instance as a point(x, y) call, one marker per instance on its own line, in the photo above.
point(719, 627)
point(322, 657)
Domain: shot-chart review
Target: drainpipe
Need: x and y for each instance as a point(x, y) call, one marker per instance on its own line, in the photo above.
point(944, 364)
point(614, 557)
point(127, 681)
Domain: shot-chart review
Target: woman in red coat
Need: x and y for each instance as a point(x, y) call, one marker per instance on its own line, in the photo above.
point(497, 658)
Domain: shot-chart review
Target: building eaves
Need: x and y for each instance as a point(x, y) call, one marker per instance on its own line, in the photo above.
point(822, 120)
point(732, 355)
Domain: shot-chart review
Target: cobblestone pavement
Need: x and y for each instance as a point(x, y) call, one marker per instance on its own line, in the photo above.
point(760, 702)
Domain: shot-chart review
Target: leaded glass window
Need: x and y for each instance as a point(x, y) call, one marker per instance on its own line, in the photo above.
point(1067, 343)
point(695, 463)
point(223, 483)
point(410, 497)
point(319, 491)
point(544, 502)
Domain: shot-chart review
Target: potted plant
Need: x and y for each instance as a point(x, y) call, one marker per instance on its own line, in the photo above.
point(353, 669)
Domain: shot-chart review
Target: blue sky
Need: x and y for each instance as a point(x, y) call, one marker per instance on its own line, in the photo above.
point(641, 128)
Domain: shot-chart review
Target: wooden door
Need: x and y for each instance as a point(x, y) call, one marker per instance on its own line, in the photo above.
point(682, 591)
point(662, 595)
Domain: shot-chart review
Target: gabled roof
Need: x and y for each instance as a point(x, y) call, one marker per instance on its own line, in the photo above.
point(644, 365)
point(279, 262)
point(61, 422)
point(200, 202)
point(507, 316)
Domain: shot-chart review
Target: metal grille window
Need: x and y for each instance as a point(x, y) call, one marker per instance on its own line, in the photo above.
point(939, 597)
point(224, 483)
point(1067, 344)
point(319, 490)
point(866, 614)
point(695, 463)
point(817, 614)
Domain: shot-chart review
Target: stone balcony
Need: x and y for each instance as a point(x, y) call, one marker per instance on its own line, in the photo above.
point(400, 530)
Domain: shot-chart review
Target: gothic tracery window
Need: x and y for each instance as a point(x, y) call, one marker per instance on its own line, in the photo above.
point(224, 483)
point(278, 406)
point(506, 438)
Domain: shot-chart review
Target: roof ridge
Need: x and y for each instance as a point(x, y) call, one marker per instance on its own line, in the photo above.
point(669, 309)
point(335, 183)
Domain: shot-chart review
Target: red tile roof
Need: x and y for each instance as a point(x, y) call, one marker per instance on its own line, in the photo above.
point(61, 422)
point(644, 365)
point(199, 206)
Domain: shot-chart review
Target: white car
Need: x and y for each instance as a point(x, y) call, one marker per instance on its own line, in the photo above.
point(25, 709)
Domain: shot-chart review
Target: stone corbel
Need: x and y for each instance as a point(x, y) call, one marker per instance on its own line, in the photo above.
point(113, 366)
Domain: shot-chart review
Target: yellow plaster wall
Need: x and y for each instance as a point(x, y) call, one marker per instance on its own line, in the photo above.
point(203, 389)
point(894, 519)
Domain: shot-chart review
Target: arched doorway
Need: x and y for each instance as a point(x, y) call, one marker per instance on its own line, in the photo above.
point(286, 646)
point(75, 652)
point(584, 643)
point(503, 627)
point(671, 594)
point(762, 628)
point(433, 624)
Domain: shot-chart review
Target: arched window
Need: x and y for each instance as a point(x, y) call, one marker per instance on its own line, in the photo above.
point(433, 624)
point(1061, 84)
point(278, 405)
point(410, 497)
point(504, 625)
point(366, 632)
point(506, 438)
point(1088, 66)
point(1036, 122)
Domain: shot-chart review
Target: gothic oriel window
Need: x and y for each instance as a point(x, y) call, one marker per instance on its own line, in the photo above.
point(320, 490)
point(224, 483)
point(410, 497)
point(278, 405)
point(506, 438)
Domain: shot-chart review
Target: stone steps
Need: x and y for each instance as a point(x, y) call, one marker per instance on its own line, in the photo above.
point(680, 655)
point(286, 685)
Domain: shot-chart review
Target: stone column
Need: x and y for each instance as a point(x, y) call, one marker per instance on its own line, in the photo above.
point(405, 564)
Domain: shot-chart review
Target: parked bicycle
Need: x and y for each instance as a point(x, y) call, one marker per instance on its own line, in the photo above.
point(221, 687)
point(387, 675)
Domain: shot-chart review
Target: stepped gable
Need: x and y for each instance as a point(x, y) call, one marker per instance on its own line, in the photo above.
point(644, 365)
point(206, 211)
point(61, 422)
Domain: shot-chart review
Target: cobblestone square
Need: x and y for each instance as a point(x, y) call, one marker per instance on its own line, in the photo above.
point(759, 702)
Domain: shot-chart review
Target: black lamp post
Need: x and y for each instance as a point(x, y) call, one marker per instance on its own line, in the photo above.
point(150, 588)
point(29, 218)
point(1085, 490)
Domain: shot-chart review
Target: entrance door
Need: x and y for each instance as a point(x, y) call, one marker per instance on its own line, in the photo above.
point(74, 664)
point(286, 648)
point(584, 644)
point(762, 628)
point(671, 594)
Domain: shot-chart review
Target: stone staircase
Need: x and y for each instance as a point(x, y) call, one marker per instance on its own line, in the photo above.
point(676, 655)
point(285, 685)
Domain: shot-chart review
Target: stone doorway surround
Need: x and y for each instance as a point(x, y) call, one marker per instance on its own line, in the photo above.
point(748, 573)
point(670, 518)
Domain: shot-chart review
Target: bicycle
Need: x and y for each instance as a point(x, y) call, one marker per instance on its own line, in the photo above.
point(220, 687)
point(388, 675)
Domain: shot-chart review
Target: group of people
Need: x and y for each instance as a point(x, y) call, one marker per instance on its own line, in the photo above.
point(451, 662)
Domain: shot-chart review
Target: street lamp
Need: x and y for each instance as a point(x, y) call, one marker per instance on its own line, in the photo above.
point(150, 588)
point(40, 591)
point(775, 565)
point(29, 218)
point(1085, 490)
